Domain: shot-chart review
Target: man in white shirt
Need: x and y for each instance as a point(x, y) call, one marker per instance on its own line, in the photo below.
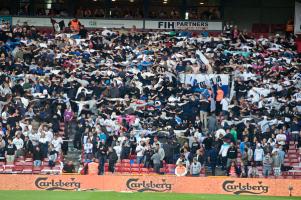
point(57, 143)
point(281, 138)
point(18, 142)
point(140, 151)
point(225, 106)
point(258, 154)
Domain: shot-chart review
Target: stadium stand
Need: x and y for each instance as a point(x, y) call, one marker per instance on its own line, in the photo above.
point(145, 102)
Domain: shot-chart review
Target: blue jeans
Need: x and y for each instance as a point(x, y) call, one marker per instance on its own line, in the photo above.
point(37, 163)
point(140, 159)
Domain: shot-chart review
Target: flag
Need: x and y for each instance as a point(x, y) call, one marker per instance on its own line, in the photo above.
point(57, 26)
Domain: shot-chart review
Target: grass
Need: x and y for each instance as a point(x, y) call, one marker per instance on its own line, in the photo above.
point(57, 195)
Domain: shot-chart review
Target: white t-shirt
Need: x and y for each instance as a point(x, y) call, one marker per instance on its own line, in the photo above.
point(57, 144)
point(139, 150)
point(88, 147)
point(34, 137)
point(281, 138)
point(18, 143)
point(49, 136)
point(258, 154)
point(4, 117)
point(118, 150)
point(225, 104)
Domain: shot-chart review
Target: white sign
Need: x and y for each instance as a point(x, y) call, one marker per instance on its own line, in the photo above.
point(297, 18)
point(108, 23)
point(88, 23)
point(221, 79)
point(183, 25)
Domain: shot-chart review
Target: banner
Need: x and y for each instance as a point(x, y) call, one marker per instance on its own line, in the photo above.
point(297, 20)
point(88, 23)
point(211, 80)
point(112, 23)
point(184, 25)
point(268, 187)
point(206, 79)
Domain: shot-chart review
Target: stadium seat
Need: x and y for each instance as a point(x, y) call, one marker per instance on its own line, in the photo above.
point(8, 170)
point(126, 165)
point(28, 160)
point(118, 165)
point(125, 161)
point(37, 170)
point(135, 165)
point(135, 170)
point(171, 166)
point(18, 168)
point(126, 170)
point(144, 171)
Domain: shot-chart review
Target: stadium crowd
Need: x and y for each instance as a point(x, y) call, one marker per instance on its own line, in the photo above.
point(119, 93)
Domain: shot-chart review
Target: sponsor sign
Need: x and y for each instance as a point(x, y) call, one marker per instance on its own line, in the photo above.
point(202, 185)
point(45, 183)
point(88, 23)
point(135, 184)
point(112, 23)
point(242, 188)
point(183, 25)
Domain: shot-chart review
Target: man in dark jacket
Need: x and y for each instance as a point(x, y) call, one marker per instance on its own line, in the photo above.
point(212, 159)
point(102, 156)
point(112, 157)
point(28, 146)
point(231, 154)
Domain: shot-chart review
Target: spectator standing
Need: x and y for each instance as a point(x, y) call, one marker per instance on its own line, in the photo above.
point(223, 153)
point(18, 142)
point(267, 165)
point(37, 157)
point(195, 168)
point(88, 149)
point(253, 171)
point(276, 162)
point(231, 154)
point(52, 157)
point(112, 157)
point(212, 159)
point(102, 156)
point(140, 152)
point(258, 154)
point(204, 109)
point(10, 151)
point(156, 158)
